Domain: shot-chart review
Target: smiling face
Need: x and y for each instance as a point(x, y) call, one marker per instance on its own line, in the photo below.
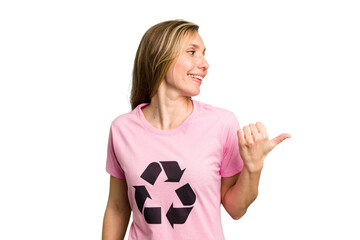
point(187, 71)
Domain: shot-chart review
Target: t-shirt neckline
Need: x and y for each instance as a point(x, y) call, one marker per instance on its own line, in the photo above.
point(155, 130)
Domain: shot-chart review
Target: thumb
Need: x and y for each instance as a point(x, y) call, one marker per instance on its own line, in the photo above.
point(275, 141)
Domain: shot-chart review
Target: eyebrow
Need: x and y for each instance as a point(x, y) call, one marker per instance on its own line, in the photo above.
point(197, 46)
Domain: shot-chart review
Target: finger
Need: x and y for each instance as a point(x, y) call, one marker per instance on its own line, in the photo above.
point(254, 130)
point(262, 129)
point(241, 137)
point(279, 139)
point(247, 134)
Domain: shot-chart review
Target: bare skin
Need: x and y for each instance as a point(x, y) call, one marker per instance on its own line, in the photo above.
point(239, 191)
point(117, 213)
point(170, 106)
point(167, 110)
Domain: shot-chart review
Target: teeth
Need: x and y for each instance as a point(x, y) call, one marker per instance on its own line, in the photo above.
point(196, 76)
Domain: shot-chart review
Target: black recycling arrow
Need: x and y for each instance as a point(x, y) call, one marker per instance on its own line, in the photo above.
point(172, 170)
point(186, 195)
point(177, 215)
point(152, 215)
point(140, 196)
point(151, 173)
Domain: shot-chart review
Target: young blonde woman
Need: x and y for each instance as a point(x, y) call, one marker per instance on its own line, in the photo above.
point(173, 160)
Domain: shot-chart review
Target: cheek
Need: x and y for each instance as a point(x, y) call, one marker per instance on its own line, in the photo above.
point(179, 70)
point(184, 67)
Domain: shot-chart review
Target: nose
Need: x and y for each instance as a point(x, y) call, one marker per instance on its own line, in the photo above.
point(203, 64)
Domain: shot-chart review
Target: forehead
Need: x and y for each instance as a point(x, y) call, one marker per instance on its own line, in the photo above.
point(193, 40)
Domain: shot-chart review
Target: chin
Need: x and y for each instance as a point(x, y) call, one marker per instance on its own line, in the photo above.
point(193, 94)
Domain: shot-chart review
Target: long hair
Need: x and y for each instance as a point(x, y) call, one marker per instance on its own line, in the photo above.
point(159, 46)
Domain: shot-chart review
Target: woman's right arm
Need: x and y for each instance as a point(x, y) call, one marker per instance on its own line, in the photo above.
point(117, 213)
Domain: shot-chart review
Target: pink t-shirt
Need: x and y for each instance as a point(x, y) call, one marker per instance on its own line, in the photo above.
point(174, 176)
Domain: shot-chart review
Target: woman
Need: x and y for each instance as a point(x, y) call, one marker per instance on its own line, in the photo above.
point(173, 160)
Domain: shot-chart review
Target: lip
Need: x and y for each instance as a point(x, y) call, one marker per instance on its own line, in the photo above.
point(198, 74)
point(196, 79)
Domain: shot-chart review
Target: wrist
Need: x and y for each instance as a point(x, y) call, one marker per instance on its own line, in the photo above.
point(253, 168)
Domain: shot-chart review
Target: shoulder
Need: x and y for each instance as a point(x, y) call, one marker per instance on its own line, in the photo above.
point(220, 113)
point(125, 119)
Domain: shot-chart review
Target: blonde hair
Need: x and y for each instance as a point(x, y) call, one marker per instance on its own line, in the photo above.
point(159, 46)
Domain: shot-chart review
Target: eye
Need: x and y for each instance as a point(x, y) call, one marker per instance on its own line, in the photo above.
point(191, 52)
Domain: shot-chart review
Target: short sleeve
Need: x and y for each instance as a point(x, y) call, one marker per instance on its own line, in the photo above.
point(232, 162)
point(112, 164)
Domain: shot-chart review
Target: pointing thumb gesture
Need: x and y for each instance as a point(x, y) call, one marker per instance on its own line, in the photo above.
point(254, 145)
point(275, 141)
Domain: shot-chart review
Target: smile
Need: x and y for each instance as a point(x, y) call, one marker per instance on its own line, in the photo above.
point(196, 76)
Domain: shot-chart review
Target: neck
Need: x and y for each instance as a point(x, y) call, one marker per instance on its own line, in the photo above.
point(165, 113)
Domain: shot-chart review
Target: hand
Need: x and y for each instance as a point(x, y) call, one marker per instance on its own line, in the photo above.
point(254, 145)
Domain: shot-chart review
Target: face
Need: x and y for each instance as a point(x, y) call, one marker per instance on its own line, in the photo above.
point(188, 70)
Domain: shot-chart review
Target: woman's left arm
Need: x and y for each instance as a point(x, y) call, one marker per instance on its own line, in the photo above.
point(239, 191)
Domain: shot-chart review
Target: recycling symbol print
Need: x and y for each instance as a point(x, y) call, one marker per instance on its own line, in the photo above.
point(185, 193)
